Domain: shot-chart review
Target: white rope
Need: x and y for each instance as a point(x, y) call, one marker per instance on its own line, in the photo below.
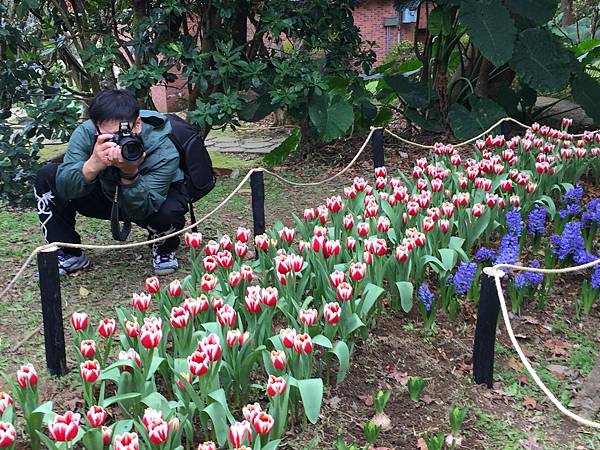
point(497, 274)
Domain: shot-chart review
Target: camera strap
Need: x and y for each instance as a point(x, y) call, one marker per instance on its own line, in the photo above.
point(119, 234)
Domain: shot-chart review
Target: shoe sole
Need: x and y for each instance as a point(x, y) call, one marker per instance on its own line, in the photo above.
point(165, 271)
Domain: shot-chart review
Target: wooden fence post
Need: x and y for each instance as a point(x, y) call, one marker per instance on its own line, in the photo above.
point(485, 332)
point(257, 184)
point(377, 148)
point(54, 334)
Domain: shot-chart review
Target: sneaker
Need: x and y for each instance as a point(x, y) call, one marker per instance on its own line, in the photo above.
point(68, 264)
point(164, 264)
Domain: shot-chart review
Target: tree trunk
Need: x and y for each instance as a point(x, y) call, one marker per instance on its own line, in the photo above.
point(566, 7)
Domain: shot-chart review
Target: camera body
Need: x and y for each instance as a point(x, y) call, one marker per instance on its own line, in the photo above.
point(131, 145)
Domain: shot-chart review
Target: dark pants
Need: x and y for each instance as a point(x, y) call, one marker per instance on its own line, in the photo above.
point(57, 215)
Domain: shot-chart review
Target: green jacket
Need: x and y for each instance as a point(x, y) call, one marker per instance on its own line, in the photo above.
point(159, 169)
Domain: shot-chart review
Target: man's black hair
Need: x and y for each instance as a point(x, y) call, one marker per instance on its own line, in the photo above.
point(113, 104)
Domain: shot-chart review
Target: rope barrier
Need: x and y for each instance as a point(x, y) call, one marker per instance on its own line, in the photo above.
point(497, 274)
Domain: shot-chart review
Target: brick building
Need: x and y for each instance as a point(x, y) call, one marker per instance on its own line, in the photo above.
point(382, 22)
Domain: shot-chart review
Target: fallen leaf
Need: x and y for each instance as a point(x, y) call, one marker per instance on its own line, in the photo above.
point(334, 401)
point(523, 378)
point(530, 402)
point(530, 319)
point(515, 364)
point(530, 443)
point(367, 399)
point(421, 444)
point(559, 371)
point(427, 399)
point(400, 377)
point(558, 347)
point(83, 292)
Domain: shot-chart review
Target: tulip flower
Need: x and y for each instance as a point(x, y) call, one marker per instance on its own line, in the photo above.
point(96, 416)
point(380, 183)
point(337, 277)
point(359, 184)
point(208, 282)
point(87, 348)
point(269, 296)
point(158, 431)
point(8, 434)
point(362, 229)
point(380, 172)
point(226, 316)
point(90, 371)
point(64, 428)
point(150, 334)
point(263, 423)
point(303, 343)
point(126, 441)
point(250, 411)
point(129, 355)
point(288, 335)
point(286, 234)
point(107, 327)
point(152, 285)
point(309, 316)
point(180, 317)
point(233, 337)
point(350, 243)
point(238, 432)
point(334, 204)
point(27, 376)
point(331, 248)
point(198, 363)
point(427, 223)
point(278, 359)
point(383, 224)
point(331, 312)
point(79, 321)
point(477, 210)
point(242, 234)
point(217, 303)
point(275, 385)
point(141, 301)
point(225, 242)
point(444, 225)
point(5, 401)
point(225, 259)
point(174, 289)
point(240, 249)
point(357, 271)
point(106, 435)
point(208, 445)
point(261, 241)
point(193, 240)
point(211, 345)
point(348, 221)
point(211, 248)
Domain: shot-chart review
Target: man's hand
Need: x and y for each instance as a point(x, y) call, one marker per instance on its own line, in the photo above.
point(127, 167)
point(100, 157)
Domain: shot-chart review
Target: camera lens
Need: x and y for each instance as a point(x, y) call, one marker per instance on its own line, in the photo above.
point(131, 149)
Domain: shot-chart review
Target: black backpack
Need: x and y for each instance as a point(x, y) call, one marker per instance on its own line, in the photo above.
point(194, 159)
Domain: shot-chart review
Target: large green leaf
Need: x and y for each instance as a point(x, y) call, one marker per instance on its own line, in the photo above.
point(541, 60)
point(466, 124)
point(283, 150)
point(411, 93)
point(343, 355)
point(586, 92)
point(371, 293)
point(406, 294)
point(311, 392)
point(490, 27)
point(440, 21)
point(538, 11)
point(331, 115)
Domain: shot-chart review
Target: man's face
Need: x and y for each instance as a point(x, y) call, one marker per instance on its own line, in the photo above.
point(113, 126)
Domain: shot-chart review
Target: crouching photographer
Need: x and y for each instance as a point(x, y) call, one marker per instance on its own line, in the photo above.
point(121, 164)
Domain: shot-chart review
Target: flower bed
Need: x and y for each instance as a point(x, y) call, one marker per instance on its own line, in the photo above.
point(242, 348)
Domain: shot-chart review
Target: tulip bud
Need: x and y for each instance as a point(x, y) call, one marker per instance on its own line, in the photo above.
point(180, 317)
point(96, 416)
point(350, 243)
point(208, 445)
point(344, 291)
point(87, 348)
point(152, 285)
point(275, 385)
point(240, 432)
point(263, 423)
point(357, 271)
point(309, 316)
point(208, 282)
point(90, 371)
point(79, 321)
point(226, 316)
point(64, 428)
point(141, 301)
point(107, 327)
point(331, 312)
point(5, 401)
point(198, 363)
point(193, 240)
point(27, 376)
point(126, 441)
point(278, 359)
point(287, 335)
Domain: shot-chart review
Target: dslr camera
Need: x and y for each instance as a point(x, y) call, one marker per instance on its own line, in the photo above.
point(131, 145)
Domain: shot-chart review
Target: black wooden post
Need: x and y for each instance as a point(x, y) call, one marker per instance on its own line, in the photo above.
point(505, 129)
point(377, 148)
point(485, 332)
point(257, 184)
point(54, 334)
